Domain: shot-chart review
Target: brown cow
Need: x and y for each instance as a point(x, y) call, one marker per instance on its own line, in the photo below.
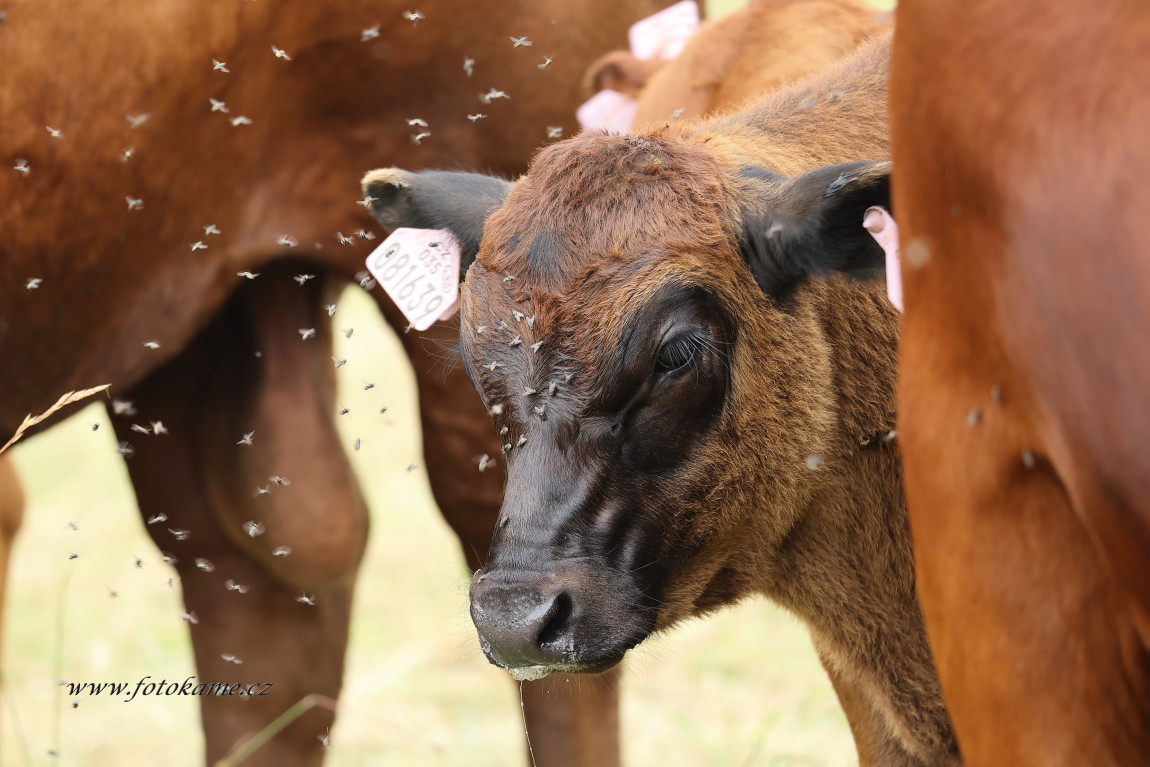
point(760, 47)
point(691, 413)
point(155, 154)
point(1022, 152)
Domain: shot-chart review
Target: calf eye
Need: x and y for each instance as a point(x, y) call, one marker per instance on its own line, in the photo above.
point(678, 354)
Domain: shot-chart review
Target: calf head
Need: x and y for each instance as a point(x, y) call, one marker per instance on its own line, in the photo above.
point(642, 322)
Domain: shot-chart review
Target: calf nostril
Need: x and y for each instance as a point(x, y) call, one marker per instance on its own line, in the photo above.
point(557, 620)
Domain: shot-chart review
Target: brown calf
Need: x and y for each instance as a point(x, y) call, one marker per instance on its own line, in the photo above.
point(1022, 152)
point(155, 156)
point(692, 410)
point(760, 47)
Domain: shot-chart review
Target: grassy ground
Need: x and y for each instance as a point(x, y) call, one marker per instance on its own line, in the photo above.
point(742, 688)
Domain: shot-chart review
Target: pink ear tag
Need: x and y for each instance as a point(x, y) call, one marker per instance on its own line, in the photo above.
point(419, 271)
point(609, 110)
point(882, 226)
point(664, 35)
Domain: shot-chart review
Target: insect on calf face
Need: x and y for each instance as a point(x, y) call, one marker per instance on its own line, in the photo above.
point(600, 419)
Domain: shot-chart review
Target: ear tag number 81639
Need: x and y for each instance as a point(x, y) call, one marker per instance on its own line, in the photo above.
point(419, 271)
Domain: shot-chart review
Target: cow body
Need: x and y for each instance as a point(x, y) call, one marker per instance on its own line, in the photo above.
point(1020, 191)
point(689, 414)
point(191, 167)
point(153, 152)
point(756, 49)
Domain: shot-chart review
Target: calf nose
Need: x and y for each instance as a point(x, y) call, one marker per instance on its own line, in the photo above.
point(522, 622)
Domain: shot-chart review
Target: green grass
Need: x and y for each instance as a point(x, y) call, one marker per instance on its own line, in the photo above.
point(740, 688)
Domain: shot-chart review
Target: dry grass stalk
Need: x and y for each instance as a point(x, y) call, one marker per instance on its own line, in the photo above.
point(31, 420)
point(245, 749)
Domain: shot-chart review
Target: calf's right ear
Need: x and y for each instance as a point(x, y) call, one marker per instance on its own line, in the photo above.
point(433, 199)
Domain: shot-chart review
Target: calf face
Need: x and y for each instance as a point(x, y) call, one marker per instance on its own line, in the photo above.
point(615, 324)
point(619, 400)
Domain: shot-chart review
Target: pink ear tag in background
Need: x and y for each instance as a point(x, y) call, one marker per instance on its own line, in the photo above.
point(661, 35)
point(419, 271)
point(664, 35)
point(881, 225)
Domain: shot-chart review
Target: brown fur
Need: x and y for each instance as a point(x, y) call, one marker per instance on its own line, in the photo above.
point(761, 47)
point(626, 217)
point(113, 278)
point(11, 517)
point(1020, 191)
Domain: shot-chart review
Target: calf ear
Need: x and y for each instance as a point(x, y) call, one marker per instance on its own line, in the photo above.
point(812, 224)
point(432, 199)
point(620, 71)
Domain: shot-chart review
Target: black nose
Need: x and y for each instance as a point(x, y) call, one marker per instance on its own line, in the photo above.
point(523, 619)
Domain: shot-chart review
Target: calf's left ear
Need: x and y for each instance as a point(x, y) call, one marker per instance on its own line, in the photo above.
point(812, 224)
point(433, 199)
point(621, 71)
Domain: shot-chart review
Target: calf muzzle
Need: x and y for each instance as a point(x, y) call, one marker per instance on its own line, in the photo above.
point(524, 620)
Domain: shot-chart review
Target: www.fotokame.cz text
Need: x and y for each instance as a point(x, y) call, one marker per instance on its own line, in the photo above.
point(164, 687)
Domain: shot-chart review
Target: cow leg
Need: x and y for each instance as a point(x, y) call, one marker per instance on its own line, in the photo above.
point(572, 721)
point(246, 607)
point(11, 515)
point(1037, 657)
